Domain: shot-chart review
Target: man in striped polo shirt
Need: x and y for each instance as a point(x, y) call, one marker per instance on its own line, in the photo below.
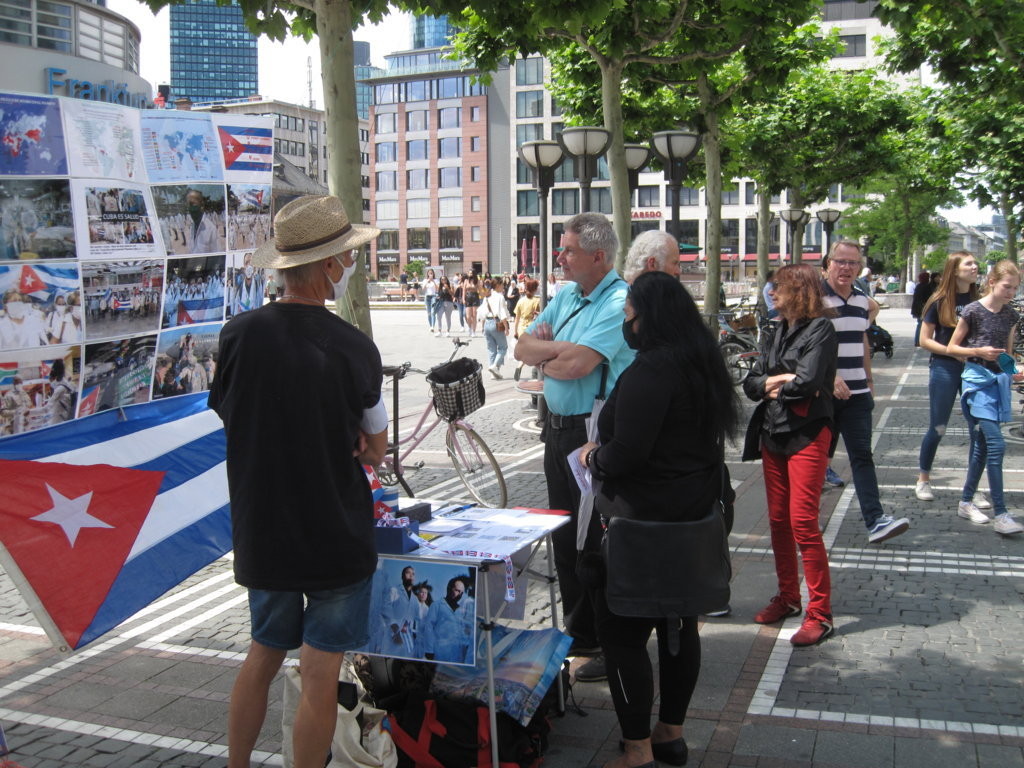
point(854, 391)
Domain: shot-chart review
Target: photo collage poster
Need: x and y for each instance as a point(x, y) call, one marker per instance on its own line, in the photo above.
point(126, 241)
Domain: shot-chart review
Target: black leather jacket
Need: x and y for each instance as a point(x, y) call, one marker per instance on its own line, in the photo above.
point(809, 349)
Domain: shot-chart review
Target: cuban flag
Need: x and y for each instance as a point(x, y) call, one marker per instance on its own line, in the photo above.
point(247, 148)
point(101, 516)
point(193, 311)
point(39, 281)
point(255, 197)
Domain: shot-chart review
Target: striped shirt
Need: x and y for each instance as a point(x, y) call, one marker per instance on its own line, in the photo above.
point(851, 323)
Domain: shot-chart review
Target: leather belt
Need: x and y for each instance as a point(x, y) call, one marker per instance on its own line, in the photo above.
point(556, 421)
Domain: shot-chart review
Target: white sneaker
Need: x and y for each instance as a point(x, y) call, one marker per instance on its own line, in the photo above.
point(968, 511)
point(1006, 525)
point(981, 501)
point(924, 491)
point(496, 372)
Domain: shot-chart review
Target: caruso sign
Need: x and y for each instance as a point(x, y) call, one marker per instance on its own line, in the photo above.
point(57, 84)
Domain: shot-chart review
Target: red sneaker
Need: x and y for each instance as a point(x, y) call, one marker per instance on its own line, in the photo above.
point(777, 610)
point(812, 632)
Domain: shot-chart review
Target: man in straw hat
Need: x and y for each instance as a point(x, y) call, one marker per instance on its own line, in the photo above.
point(299, 390)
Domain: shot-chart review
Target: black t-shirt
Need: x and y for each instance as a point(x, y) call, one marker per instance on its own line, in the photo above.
point(944, 333)
point(292, 383)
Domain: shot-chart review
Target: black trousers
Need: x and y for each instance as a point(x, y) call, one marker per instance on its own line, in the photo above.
point(631, 676)
point(564, 493)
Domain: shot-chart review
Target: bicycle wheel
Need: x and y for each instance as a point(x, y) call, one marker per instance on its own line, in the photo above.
point(1013, 432)
point(736, 360)
point(476, 466)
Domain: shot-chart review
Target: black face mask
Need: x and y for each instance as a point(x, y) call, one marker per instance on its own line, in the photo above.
point(632, 337)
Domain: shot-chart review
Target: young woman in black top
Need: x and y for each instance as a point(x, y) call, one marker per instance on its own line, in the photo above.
point(662, 431)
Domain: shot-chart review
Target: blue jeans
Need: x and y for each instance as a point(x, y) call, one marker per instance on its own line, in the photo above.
point(853, 421)
point(943, 386)
point(462, 314)
point(987, 447)
point(497, 343)
point(430, 310)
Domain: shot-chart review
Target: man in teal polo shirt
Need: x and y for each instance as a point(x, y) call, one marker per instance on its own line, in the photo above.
point(577, 341)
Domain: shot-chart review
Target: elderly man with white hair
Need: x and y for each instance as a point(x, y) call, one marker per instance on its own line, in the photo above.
point(653, 251)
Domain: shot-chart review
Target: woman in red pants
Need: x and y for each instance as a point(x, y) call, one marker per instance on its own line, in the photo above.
point(791, 431)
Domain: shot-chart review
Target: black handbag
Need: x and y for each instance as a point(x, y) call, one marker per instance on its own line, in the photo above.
point(668, 569)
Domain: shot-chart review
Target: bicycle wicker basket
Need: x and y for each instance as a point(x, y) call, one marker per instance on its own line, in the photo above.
point(457, 387)
point(743, 322)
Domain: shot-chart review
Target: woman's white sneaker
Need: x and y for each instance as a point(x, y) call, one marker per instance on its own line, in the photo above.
point(1006, 525)
point(968, 511)
point(924, 491)
point(981, 502)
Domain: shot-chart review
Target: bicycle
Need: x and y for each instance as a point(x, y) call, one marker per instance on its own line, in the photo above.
point(456, 390)
point(738, 340)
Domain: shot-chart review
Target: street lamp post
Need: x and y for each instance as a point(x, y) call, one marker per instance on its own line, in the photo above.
point(542, 157)
point(792, 217)
point(828, 218)
point(674, 149)
point(637, 156)
point(585, 144)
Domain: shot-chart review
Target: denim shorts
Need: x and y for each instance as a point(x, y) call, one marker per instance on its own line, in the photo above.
point(331, 620)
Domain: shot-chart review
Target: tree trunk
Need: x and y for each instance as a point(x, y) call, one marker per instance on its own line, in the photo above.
point(764, 241)
point(334, 30)
point(1012, 227)
point(796, 245)
point(906, 239)
point(611, 98)
point(713, 200)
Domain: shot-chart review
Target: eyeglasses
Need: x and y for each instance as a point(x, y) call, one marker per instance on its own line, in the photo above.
point(845, 263)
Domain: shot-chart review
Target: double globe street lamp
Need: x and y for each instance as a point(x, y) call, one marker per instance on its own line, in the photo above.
point(792, 217)
point(674, 149)
point(543, 157)
point(828, 218)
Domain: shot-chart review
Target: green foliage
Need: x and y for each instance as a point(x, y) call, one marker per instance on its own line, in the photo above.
point(935, 261)
point(416, 268)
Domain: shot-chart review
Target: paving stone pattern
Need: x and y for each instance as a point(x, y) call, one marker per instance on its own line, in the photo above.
point(925, 669)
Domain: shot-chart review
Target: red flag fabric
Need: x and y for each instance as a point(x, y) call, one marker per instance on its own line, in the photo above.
point(70, 528)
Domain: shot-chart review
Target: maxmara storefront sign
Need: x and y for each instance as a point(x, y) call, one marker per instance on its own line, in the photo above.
point(61, 82)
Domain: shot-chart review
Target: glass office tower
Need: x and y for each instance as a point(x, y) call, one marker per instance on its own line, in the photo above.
point(431, 31)
point(213, 54)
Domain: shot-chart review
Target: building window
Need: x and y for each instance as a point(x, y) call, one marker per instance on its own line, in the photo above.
point(474, 234)
point(530, 104)
point(417, 120)
point(387, 240)
point(523, 173)
point(474, 114)
point(450, 237)
point(418, 178)
point(689, 231)
point(750, 193)
point(529, 132)
point(566, 171)
point(387, 181)
point(730, 197)
point(387, 152)
point(474, 173)
point(474, 143)
point(386, 122)
point(449, 206)
point(387, 209)
point(833, 194)
point(417, 208)
point(449, 88)
point(565, 202)
point(474, 203)
point(648, 197)
point(449, 148)
point(417, 90)
point(556, 108)
point(730, 235)
point(750, 236)
point(848, 10)
point(449, 117)
point(601, 200)
point(364, 182)
point(854, 46)
point(449, 177)
point(366, 204)
point(419, 238)
point(689, 196)
point(530, 71)
point(526, 203)
point(416, 150)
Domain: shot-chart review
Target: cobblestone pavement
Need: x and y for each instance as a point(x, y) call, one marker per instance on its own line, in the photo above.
point(925, 669)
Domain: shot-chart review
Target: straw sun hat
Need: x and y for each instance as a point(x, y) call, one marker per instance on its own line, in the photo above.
point(310, 229)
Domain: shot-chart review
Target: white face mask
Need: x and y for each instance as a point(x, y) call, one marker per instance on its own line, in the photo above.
point(62, 308)
point(341, 286)
point(16, 309)
point(249, 270)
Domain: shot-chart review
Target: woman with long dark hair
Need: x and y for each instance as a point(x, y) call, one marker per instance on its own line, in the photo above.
point(958, 287)
point(662, 431)
point(791, 431)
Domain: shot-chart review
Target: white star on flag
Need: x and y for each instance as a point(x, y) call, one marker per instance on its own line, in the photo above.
point(230, 146)
point(70, 514)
